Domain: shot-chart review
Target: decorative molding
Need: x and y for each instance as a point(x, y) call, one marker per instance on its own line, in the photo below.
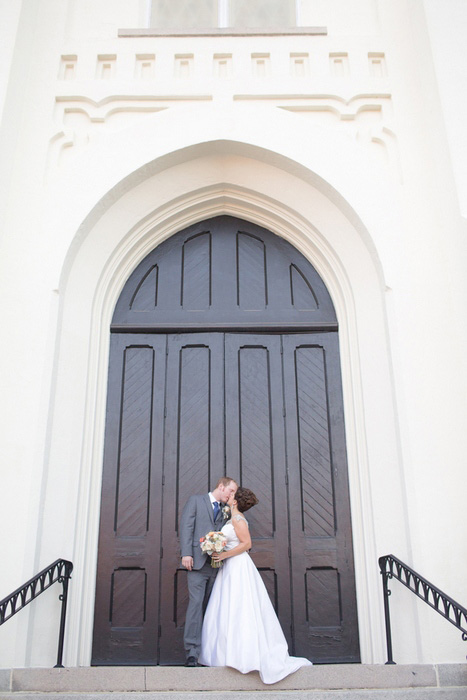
point(78, 118)
point(366, 116)
point(314, 96)
point(293, 31)
point(128, 99)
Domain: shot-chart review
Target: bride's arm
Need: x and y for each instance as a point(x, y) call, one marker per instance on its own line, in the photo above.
point(243, 534)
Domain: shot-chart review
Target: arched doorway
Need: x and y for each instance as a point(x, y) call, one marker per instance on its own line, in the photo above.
point(224, 359)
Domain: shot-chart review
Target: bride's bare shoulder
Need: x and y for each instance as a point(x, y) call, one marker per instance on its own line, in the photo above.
point(239, 517)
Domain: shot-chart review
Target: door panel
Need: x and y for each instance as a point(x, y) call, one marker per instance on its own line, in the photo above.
point(255, 455)
point(193, 461)
point(126, 608)
point(324, 603)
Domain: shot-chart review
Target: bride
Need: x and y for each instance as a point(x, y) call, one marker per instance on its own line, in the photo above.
point(240, 627)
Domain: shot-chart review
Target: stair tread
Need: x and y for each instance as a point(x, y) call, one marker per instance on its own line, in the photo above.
point(162, 679)
point(449, 693)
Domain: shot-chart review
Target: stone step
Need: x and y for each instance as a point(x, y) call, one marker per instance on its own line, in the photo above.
point(320, 682)
point(388, 694)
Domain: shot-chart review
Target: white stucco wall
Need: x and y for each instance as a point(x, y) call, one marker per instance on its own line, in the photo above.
point(8, 37)
point(447, 27)
point(348, 154)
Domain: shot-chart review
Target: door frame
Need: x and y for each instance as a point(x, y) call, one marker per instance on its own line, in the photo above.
point(114, 261)
point(234, 296)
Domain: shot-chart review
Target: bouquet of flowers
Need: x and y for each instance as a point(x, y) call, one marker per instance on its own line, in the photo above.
point(213, 542)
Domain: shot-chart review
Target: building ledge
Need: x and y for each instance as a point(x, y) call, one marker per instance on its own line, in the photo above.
point(228, 31)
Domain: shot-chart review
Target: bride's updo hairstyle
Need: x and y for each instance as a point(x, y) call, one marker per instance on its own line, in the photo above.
point(245, 498)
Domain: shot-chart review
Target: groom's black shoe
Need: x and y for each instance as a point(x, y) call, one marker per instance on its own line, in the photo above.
point(191, 661)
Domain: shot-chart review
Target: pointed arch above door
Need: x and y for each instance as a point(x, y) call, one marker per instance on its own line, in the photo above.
point(224, 273)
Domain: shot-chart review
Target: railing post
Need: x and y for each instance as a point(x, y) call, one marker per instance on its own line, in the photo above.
point(385, 575)
point(64, 598)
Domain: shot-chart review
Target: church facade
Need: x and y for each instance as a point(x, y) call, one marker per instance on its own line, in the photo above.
point(233, 242)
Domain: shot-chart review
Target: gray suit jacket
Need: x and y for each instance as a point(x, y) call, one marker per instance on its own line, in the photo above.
point(196, 521)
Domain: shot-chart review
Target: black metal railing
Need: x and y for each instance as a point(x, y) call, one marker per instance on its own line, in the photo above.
point(391, 567)
point(59, 571)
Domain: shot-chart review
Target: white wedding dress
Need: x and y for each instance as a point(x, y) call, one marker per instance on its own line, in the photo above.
point(240, 627)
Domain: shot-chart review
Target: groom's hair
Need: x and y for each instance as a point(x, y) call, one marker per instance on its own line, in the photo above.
point(223, 481)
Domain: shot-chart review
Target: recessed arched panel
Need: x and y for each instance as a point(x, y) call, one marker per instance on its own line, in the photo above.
point(317, 493)
point(251, 273)
point(193, 429)
point(224, 272)
point(302, 295)
point(145, 295)
point(196, 273)
point(133, 474)
point(256, 454)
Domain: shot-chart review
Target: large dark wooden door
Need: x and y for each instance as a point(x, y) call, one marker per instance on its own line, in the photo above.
point(263, 405)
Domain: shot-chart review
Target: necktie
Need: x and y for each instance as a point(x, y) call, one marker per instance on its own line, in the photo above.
point(216, 509)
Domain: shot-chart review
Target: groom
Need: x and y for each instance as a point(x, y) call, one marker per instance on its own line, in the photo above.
point(200, 515)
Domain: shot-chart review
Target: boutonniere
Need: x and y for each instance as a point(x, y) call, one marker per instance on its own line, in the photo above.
point(226, 512)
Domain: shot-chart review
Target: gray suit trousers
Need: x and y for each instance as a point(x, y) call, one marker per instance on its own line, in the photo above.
point(200, 583)
point(197, 519)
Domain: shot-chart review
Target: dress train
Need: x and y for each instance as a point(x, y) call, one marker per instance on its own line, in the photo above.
point(240, 627)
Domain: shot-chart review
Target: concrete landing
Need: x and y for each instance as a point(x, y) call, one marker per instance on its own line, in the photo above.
point(325, 682)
